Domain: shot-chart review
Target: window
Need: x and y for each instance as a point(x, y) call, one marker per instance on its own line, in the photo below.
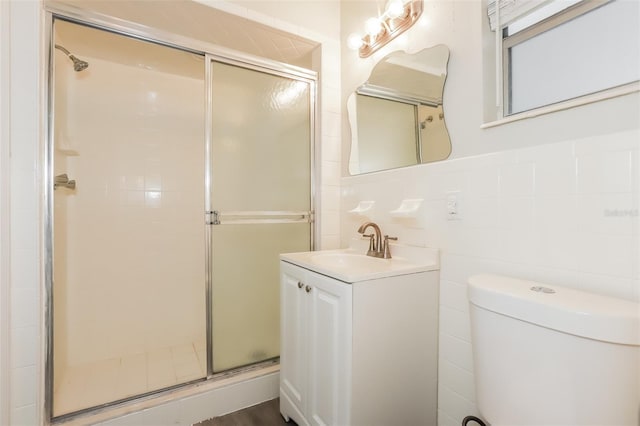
point(566, 49)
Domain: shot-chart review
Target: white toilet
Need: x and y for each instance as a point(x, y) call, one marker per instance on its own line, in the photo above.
point(549, 355)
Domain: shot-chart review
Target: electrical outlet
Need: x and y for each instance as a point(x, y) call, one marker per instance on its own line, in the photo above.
point(453, 206)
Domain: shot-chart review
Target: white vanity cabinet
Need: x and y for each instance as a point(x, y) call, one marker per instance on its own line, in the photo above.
point(361, 353)
point(315, 347)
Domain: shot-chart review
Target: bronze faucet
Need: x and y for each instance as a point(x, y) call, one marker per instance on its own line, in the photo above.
point(376, 246)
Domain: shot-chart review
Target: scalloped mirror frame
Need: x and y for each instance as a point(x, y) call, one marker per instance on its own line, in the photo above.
point(413, 82)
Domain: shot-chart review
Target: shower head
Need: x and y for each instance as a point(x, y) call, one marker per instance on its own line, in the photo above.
point(78, 64)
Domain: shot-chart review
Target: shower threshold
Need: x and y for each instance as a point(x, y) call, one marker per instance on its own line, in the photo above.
point(173, 396)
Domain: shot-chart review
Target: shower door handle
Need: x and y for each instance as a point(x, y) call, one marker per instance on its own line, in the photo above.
point(214, 217)
point(259, 217)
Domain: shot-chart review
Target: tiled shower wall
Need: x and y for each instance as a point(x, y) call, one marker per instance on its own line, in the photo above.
point(139, 177)
point(564, 213)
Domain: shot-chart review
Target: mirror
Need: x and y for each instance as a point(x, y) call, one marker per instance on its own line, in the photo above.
point(396, 116)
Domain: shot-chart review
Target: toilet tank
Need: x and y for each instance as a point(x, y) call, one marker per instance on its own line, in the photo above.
point(549, 355)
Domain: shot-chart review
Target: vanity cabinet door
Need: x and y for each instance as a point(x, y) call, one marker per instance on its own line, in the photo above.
point(315, 358)
point(329, 332)
point(294, 348)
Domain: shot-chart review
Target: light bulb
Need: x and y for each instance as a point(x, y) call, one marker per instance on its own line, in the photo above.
point(395, 9)
point(373, 26)
point(354, 41)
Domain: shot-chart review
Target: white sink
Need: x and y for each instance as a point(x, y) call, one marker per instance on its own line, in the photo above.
point(353, 265)
point(353, 261)
point(343, 260)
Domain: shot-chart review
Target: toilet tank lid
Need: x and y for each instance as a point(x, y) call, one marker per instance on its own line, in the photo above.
point(571, 311)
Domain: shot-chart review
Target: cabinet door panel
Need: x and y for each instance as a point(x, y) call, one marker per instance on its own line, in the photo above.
point(293, 323)
point(330, 336)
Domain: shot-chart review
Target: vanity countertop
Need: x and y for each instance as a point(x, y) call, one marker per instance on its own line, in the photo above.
point(352, 265)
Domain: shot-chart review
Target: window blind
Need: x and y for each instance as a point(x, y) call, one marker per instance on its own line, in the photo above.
point(511, 10)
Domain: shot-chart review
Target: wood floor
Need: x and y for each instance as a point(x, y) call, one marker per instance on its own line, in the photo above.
point(265, 414)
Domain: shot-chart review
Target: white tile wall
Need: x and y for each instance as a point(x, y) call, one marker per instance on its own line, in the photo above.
point(5, 242)
point(329, 160)
point(135, 183)
point(564, 213)
point(25, 198)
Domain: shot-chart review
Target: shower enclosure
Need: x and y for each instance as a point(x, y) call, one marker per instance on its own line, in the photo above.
point(176, 178)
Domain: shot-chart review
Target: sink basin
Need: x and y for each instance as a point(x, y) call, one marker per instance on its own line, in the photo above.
point(353, 261)
point(352, 266)
point(344, 260)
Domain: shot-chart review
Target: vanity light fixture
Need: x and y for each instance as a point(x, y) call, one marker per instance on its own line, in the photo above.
point(399, 16)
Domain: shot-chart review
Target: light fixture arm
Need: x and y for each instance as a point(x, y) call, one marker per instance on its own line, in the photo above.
point(392, 28)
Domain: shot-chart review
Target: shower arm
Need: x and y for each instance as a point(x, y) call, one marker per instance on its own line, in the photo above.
point(78, 64)
point(66, 52)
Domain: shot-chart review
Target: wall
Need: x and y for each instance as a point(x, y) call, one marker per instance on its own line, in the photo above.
point(25, 134)
point(553, 199)
point(26, 62)
point(324, 13)
point(5, 243)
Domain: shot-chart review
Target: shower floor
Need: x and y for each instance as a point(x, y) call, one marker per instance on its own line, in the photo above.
point(92, 384)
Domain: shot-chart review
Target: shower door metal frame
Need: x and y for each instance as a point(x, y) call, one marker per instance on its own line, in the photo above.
point(70, 13)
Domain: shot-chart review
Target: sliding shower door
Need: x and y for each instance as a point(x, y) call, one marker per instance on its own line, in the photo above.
point(129, 271)
point(261, 133)
point(177, 179)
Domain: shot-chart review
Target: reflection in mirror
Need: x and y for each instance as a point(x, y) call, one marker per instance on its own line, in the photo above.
point(397, 116)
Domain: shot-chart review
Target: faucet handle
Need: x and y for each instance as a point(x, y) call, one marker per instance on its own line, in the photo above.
point(372, 242)
point(387, 251)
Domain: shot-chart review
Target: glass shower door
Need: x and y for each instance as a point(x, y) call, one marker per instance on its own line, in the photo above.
point(128, 235)
point(260, 204)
